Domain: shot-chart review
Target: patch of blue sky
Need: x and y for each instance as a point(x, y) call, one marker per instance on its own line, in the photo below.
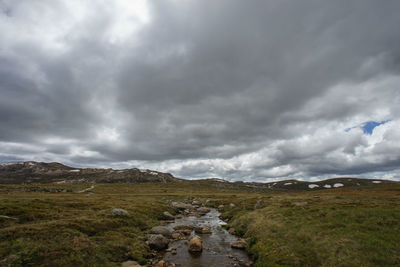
point(368, 126)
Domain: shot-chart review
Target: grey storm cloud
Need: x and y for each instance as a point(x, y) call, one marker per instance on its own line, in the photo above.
point(243, 90)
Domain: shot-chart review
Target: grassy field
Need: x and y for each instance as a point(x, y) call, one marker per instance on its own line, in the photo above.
point(357, 226)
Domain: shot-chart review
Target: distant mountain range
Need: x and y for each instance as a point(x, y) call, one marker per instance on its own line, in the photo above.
point(31, 172)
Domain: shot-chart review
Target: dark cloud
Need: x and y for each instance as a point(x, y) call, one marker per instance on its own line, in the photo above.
point(240, 90)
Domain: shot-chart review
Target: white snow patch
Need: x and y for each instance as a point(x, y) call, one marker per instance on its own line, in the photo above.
point(153, 173)
point(62, 182)
point(313, 186)
point(287, 183)
point(74, 170)
point(327, 186)
point(338, 185)
point(142, 170)
point(377, 182)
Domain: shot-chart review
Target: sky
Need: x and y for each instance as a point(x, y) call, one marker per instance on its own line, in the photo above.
point(241, 90)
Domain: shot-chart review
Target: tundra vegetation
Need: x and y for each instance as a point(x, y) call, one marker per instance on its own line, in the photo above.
point(42, 225)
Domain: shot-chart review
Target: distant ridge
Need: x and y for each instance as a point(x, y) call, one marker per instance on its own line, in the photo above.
point(32, 172)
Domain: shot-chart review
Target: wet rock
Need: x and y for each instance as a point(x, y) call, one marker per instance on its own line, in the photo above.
point(206, 230)
point(131, 264)
point(184, 231)
point(220, 207)
point(259, 204)
point(195, 244)
point(119, 212)
point(161, 230)
point(176, 235)
point(168, 215)
point(181, 205)
point(203, 210)
point(203, 230)
point(161, 264)
point(231, 231)
point(158, 242)
point(184, 227)
point(232, 205)
point(240, 244)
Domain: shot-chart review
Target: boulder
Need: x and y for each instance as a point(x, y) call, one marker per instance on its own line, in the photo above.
point(184, 227)
point(176, 235)
point(184, 231)
point(131, 264)
point(232, 205)
point(203, 210)
point(231, 231)
point(220, 207)
point(208, 202)
point(240, 244)
point(259, 204)
point(168, 215)
point(206, 230)
point(119, 212)
point(300, 203)
point(157, 242)
point(161, 230)
point(195, 202)
point(195, 244)
point(161, 264)
point(181, 205)
point(203, 230)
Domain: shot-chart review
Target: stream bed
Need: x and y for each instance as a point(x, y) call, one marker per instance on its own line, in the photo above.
point(217, 249)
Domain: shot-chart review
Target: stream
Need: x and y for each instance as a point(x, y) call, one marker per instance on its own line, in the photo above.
point(217, 249)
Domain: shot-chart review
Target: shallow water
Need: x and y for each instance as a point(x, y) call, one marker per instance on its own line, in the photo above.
point(217, 249)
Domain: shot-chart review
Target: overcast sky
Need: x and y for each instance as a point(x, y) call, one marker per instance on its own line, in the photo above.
point(242, 90)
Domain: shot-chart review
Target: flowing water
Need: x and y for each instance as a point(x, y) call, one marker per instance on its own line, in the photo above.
point(217, 249)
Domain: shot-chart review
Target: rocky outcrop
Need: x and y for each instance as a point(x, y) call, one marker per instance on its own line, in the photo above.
point(300, 203)
point(259, 204)
point(157, 242)
point(195, 244)
point(119, 212)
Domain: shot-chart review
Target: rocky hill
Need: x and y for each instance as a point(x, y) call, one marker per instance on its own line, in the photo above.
point(293, 185)
point(40, 172)
point(32, 172)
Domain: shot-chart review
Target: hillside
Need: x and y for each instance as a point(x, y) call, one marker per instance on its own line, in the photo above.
point(40, 173)
point(31, 172)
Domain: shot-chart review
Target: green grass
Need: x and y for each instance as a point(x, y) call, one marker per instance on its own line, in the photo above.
point(341, 227)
